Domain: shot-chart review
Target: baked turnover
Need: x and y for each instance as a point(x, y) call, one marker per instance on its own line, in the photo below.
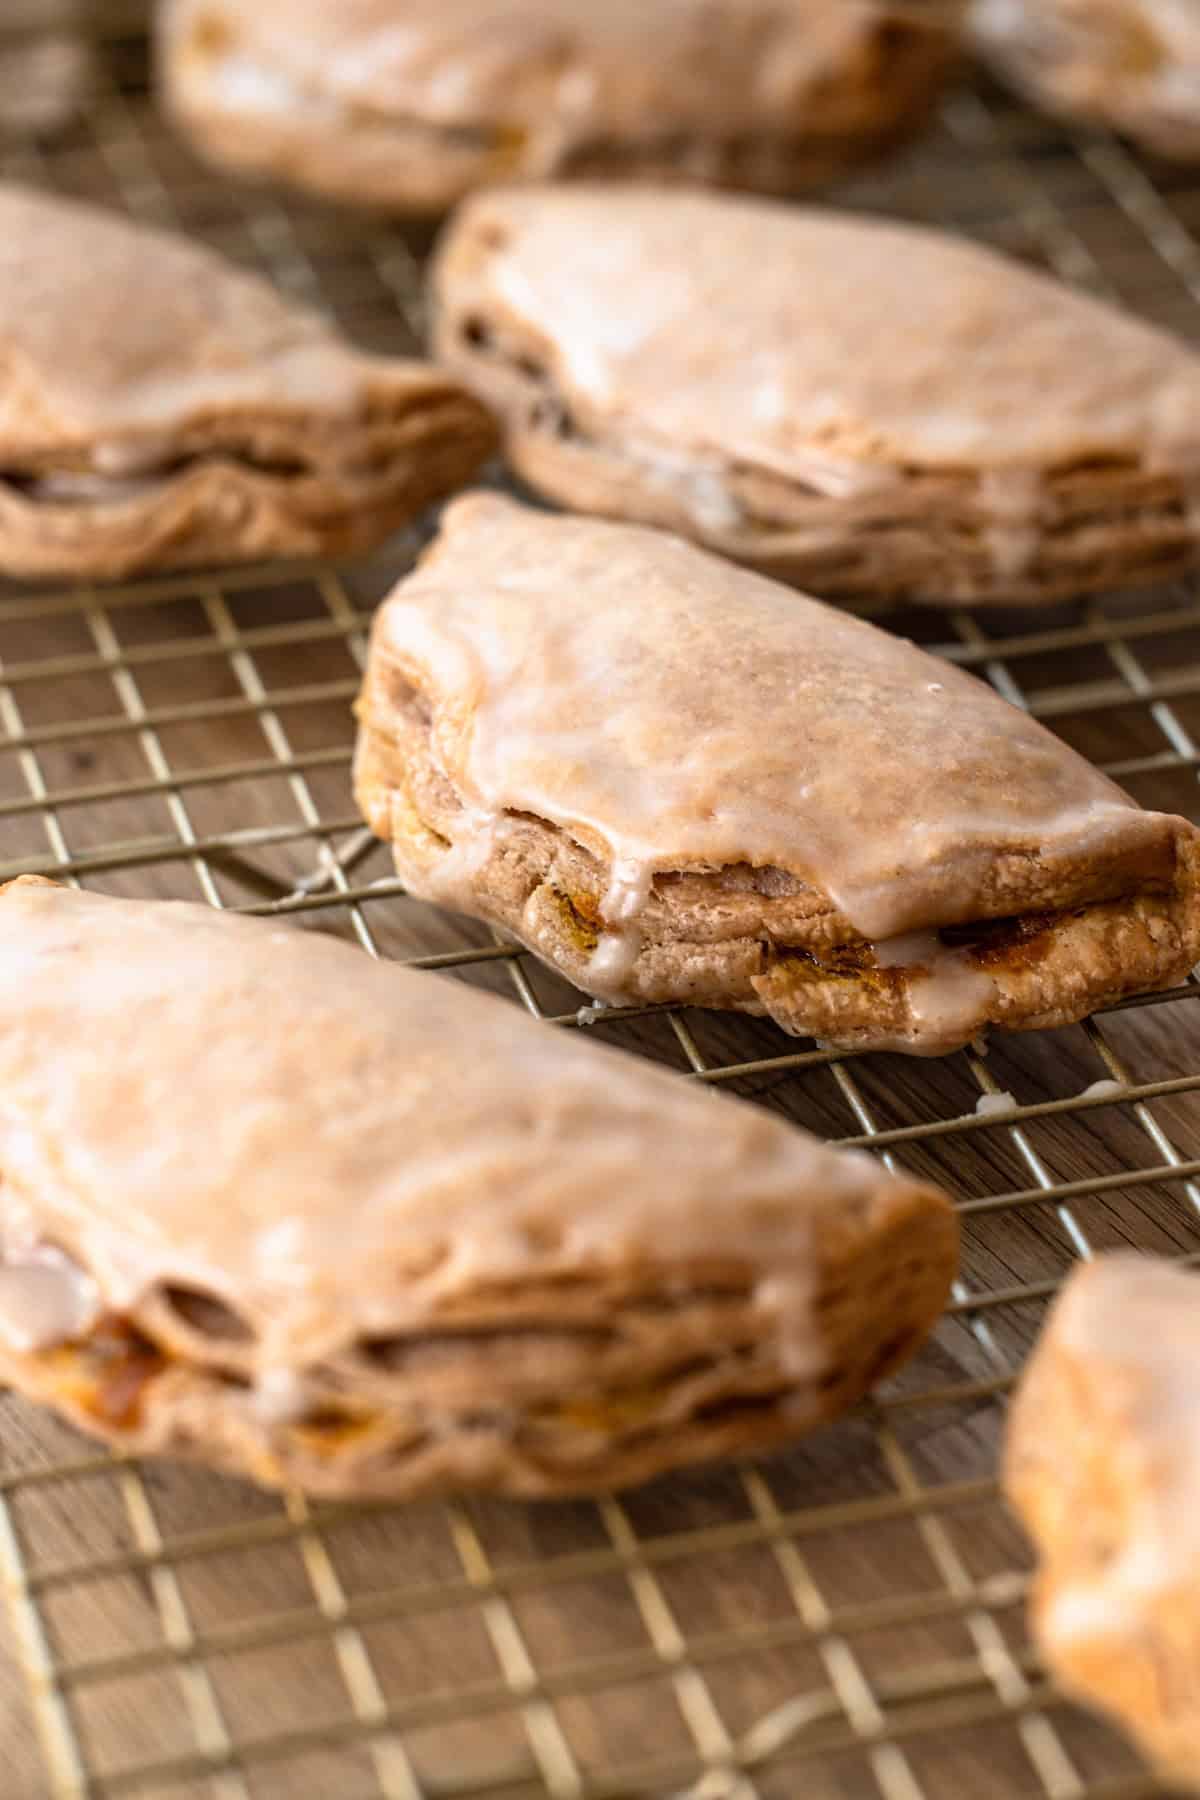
point(866, 408)
point(1103, 1464)
point(677, 781)
point(1131, 64)
point(163, 408)
point(46, 67)
point(322, 1220)
point(406, 106)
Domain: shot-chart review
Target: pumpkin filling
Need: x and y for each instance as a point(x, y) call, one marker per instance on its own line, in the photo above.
point(107, 1374)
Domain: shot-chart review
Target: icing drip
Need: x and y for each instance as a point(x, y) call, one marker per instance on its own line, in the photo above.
point(947, 998)
point(1011, 501)
point(279, 1397)
point(452, 877)
point(612, 962)
point(789, 1301)
point(45, 1299)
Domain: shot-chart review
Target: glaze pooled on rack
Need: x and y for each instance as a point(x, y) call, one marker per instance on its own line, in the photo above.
point(680, 781)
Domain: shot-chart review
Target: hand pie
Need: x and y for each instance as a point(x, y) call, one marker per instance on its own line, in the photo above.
point(879, 412)
point(676, 781)
point(162, 408)
point(45, 66)
point(1103, 1464)
point(1131, 64)
point(404, 105)
point(324, 1220)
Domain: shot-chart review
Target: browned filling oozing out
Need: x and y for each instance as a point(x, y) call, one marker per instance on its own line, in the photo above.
point(1013, 943)
point(108, 1374)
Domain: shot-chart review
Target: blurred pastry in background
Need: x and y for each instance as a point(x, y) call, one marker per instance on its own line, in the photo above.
point(408, 104)
point(315, 1218)
point(1131, 64)
point(1103, 1465)
point(678, 782)
point(164, 408)
point(46, 67)
point(871, 410)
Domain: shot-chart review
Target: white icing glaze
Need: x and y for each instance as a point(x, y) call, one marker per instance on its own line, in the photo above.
point(619, 946)
point(45, 1299)
point(1011, 501)
point(612, 961)
point(126, 335)
point(1104, 1089)
point(279, 1397)
point(368, 1142)
point(947, 997)
point(791, 1296)
point(994, 1106)
point(950, 1001)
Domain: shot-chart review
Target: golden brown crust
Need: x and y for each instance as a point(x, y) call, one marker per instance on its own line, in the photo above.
point(384, 104)
point(428, 1244)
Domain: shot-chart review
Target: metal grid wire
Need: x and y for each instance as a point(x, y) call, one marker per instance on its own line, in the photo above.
point(841, 1623)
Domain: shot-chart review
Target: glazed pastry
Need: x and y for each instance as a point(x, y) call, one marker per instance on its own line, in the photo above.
point(1131, 64)
point(1103, 1464)
point(385, 1234)
point(407, 106)
point(1000, 438)
point(45, 66)
point(677, 781)
point(162, 408)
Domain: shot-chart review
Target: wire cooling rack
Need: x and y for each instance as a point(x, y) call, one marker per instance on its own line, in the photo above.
point(840, 1623)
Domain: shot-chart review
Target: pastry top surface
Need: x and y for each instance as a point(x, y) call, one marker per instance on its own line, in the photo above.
point(332, 1145)
point(861, 349)
point(671, 711)
point(622, 65)
point(114, 334)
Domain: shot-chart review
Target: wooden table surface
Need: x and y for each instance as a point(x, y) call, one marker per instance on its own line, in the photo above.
point(839, 1623)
